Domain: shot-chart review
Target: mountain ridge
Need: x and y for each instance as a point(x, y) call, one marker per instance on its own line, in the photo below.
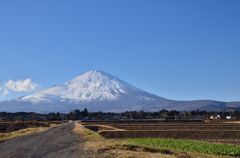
point(100, 91)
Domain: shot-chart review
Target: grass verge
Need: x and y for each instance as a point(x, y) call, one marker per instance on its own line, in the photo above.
point(86, 133)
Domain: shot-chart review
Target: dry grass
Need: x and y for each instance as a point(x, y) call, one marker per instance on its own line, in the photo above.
point(233, 122)
point(23, 132)
point(86, 133)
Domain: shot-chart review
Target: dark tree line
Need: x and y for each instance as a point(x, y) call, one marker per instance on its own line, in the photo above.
point(128, 115)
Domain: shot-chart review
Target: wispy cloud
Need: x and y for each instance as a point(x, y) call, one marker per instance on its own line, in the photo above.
point(26, 85)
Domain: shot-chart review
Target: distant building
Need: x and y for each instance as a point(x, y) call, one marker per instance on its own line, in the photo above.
point(228, 117)
point(215, 117)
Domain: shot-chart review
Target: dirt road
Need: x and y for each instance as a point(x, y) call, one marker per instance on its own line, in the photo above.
point(57, 142)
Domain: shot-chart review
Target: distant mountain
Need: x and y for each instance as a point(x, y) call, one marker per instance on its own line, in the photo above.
point(99, 91)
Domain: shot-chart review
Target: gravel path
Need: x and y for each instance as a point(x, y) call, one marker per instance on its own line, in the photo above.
point(57, 142)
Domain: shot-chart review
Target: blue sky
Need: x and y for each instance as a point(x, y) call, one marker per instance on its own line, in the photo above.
point(176, 49)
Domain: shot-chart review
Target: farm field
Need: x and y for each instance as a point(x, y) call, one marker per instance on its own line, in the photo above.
point(189, 145)
point(210, 131)
point(212, 138)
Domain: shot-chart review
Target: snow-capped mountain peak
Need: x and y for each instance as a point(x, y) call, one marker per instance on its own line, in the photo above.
point(92, 85)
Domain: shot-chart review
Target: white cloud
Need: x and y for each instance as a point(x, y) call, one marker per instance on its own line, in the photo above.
point(19, 86)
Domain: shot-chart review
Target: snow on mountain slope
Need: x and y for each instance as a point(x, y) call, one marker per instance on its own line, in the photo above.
point(91, 86)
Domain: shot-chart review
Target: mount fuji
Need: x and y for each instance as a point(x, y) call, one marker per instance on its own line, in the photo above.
point(99, 91)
